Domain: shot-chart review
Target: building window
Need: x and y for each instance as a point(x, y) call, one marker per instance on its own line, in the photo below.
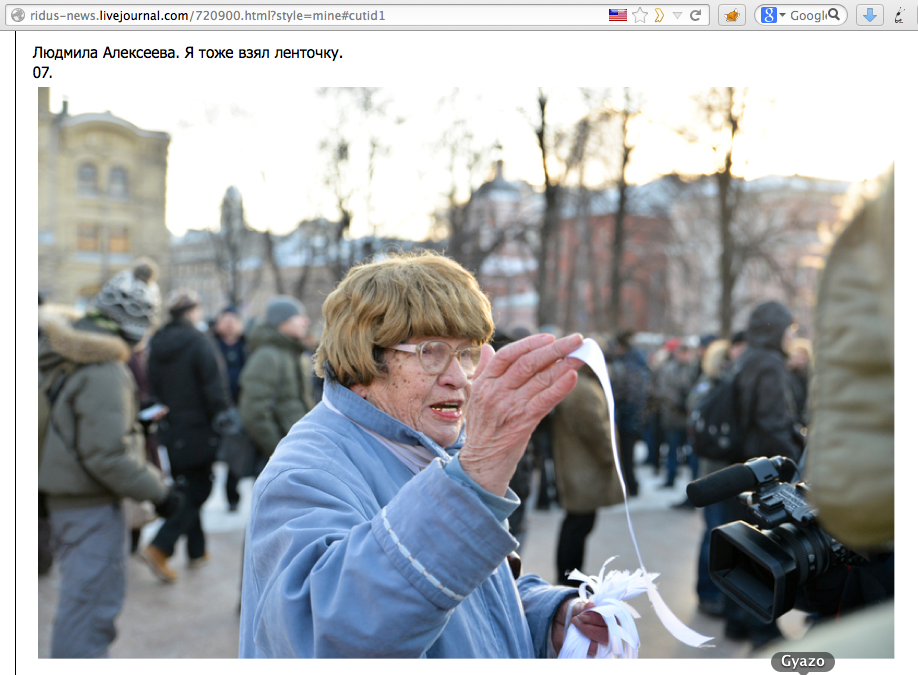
point(117, 183)
point(88, 238)
point(87, 179)
point(119, 241)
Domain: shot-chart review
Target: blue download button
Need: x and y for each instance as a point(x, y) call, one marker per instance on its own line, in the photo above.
point(869, 15)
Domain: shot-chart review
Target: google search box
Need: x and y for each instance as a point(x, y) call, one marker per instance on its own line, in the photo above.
point(801, 15)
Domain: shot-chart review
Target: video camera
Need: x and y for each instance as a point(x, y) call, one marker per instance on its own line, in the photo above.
point(763, 565)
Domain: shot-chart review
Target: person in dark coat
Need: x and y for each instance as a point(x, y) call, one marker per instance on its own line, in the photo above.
point(230, 341)
point(675, 382)
point(137, 364)
point(765, 412)
point(766, 409)
point(631, 380)
point(652, 433)
point(714, 363)
point(185, 375)
point(737, 345)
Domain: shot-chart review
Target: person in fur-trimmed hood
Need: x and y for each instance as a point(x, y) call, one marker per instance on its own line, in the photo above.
point(94, 454)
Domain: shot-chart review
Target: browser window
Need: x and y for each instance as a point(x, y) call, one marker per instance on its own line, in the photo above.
point(254, 149)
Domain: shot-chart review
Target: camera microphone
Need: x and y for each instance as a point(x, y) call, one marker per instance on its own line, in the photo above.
point(720, 485)
point(737, 479)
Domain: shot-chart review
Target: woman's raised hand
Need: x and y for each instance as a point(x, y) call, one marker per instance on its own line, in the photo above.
point(512, 390)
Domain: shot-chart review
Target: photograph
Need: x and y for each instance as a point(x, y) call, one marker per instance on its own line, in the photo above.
point(548, 347)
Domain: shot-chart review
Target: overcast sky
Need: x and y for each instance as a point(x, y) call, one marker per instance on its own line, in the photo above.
point(266, 143)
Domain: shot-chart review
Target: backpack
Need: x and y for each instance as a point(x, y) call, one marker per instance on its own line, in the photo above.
point(48, 389)
point(714, 425)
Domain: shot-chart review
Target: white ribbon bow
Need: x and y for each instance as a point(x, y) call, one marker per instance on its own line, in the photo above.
point(609, 592)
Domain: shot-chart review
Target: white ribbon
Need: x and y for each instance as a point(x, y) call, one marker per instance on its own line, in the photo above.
point(609, 592)
point(617, 586)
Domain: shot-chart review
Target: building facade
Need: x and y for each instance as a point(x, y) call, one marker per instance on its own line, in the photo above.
point(101, 200)
point(669, 275)
point(585, 261)
point(305, 263)
point(502, 217)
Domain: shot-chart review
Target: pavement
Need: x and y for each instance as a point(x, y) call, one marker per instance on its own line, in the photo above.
point(196, 616)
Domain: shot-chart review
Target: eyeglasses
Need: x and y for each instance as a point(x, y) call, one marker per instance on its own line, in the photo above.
point(435, 356)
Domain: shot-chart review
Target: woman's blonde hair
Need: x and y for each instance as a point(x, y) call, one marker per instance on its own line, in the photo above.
point(385, 303)
point(715, 358)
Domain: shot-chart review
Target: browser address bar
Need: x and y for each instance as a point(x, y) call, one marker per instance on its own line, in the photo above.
point(354, 16)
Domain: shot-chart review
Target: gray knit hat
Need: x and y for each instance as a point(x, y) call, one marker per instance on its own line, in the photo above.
point(131, 299)
point(281, 308)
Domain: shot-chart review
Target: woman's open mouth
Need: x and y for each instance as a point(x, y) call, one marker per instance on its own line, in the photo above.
point(448, 410)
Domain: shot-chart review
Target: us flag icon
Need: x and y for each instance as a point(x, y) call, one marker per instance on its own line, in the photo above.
point(618, 15)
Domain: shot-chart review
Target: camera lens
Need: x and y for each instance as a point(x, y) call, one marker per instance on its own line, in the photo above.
point(811, 549)
point(762, 569)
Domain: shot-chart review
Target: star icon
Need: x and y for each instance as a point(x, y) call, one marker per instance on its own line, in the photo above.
point(640, 15)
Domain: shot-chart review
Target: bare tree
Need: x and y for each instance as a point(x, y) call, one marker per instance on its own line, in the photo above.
point(271, 257)
point(597, 143)
point(580, 245)
point(312, 237)
point(723, 109)
point(230, 246)
point(335, 178)
point(618, 234)
point(773, 226)
point(471, 235)
point(757, 227)
point(353, 185)
point(566, 149)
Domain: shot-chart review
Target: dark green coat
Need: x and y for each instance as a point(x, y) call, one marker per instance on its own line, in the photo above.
point(273, 391)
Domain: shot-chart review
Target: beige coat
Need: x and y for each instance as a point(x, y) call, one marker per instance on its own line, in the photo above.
point(582, 449)
point(850, 455)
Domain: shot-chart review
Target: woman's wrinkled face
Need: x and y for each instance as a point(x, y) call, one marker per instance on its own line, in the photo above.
point(435, 405)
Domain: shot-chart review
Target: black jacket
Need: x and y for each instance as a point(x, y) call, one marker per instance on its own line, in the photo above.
point(763, 387)
point(185, 375)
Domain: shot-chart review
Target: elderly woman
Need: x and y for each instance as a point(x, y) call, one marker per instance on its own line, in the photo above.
point(378, 528)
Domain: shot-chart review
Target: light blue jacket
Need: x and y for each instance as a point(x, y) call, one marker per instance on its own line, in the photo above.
point(349, 555)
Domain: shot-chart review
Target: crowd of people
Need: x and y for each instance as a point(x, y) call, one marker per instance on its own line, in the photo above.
point(116, 388)
point(657, 387)
point(408, 484)
point(193, 384)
